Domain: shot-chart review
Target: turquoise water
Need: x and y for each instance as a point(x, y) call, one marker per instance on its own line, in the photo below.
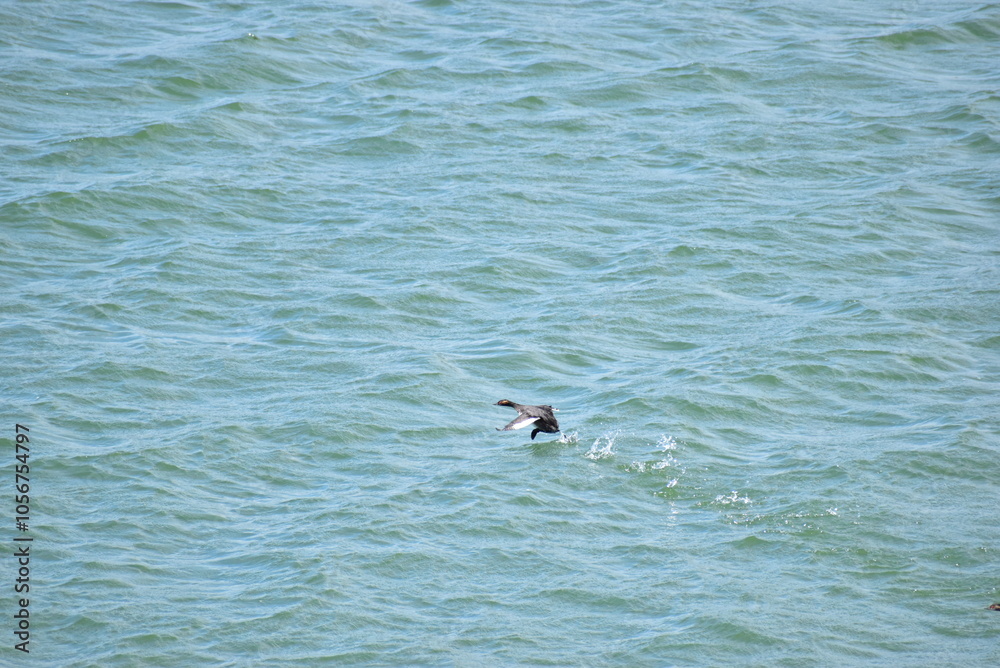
point(268, 266)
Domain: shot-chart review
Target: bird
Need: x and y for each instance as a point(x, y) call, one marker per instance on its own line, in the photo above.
point(540, 416)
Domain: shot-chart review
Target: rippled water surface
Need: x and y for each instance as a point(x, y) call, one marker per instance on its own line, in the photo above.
point(268, 266)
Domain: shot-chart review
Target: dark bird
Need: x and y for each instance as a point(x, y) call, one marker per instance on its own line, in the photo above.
point(540, 416)
point(995, 606)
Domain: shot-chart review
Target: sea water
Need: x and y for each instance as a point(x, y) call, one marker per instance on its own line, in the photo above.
point(267, 268)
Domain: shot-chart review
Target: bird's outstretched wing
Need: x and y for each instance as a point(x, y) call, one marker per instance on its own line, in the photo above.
point(520, 422)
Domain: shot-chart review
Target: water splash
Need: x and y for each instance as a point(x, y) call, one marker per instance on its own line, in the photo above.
point(603, 447)
point(666, 444)
point(731, 498)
